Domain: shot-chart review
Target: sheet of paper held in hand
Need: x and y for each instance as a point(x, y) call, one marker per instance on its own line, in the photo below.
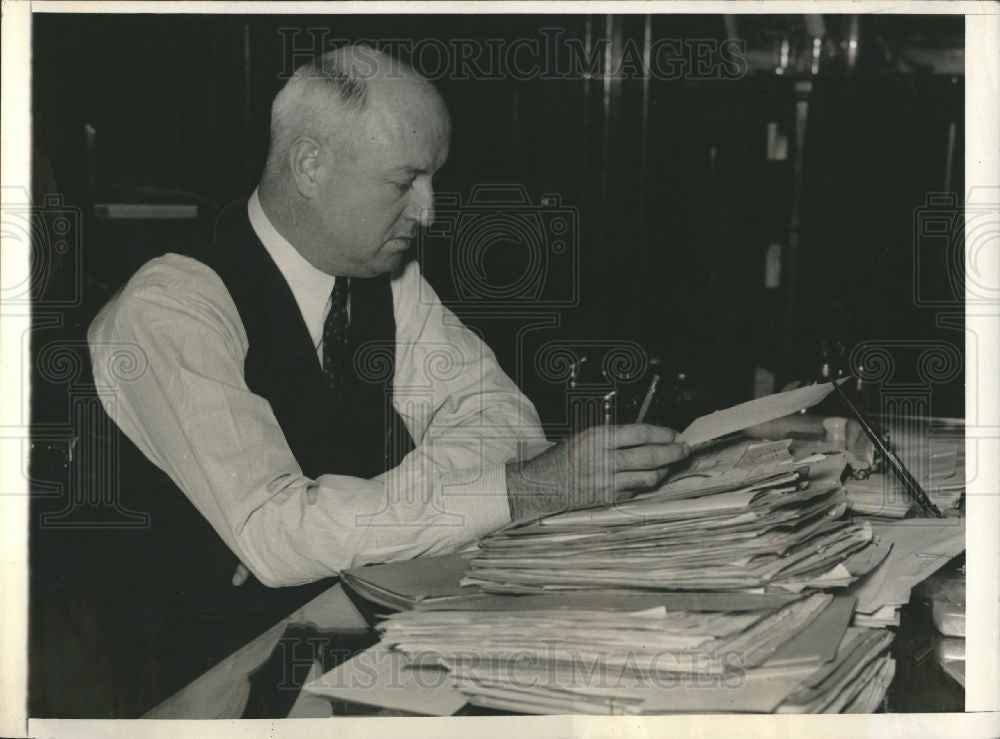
point(753, 412)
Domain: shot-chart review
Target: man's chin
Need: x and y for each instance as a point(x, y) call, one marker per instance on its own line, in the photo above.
point(390, 261)
point(398, 258)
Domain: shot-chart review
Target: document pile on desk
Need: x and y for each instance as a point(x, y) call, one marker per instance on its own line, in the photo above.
point(918, 548)
point(938, 465)
point(704, 595)
point(425, 582)
point(936, 459)
point(645, 653)
point(744, 517)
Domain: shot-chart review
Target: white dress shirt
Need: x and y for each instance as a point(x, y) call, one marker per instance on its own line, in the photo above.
point(190, 412)
point(312, 289)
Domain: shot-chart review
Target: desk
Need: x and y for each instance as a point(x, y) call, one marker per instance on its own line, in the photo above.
point(224, 690)
point(333, 622)
point(331, 619)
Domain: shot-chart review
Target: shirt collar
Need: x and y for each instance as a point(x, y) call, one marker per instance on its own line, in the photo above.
point(310, 286)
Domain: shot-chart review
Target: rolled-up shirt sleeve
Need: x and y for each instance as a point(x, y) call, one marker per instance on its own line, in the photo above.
point(190, 412)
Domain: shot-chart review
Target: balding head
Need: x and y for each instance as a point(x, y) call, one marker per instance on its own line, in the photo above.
point(328, 97)
point(355, 139)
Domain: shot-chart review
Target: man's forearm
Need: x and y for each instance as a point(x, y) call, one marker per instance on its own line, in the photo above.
point(529, 498)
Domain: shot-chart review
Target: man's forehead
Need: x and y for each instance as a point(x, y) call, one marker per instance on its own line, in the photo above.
point(410, 129)
point(407, 101)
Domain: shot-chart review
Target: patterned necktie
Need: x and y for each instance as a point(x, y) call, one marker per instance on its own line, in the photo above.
point(335, 339)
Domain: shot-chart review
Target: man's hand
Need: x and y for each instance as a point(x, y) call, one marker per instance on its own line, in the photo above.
point(598, 466)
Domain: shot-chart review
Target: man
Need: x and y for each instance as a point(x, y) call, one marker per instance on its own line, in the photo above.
point(308, 404)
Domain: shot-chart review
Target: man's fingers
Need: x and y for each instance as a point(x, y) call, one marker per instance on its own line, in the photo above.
point(620, 496)
point(649, 457)
point(630, 481)
point(637, 434)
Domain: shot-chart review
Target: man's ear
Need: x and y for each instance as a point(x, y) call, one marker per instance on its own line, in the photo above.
point(304, 160)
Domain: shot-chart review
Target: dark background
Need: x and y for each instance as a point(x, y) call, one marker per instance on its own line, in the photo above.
point(675, 197)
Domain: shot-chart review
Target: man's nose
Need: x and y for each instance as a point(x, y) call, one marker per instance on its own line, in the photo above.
point(422, 203)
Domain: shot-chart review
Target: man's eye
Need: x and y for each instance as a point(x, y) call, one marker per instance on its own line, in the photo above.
point(403, 186)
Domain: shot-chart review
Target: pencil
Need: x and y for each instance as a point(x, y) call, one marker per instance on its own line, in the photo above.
point(648, 400)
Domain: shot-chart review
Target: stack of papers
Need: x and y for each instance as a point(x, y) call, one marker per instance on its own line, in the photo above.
point(434, 583)
point(854, 682)
point(937, 463)
point(918, 548)
point(702, 603)
point(653, 641)
point(774, 654)
point(882, 495)
point(756, 522)
point(425, 582)
point(727, 466)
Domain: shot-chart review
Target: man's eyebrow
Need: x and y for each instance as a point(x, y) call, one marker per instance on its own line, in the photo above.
point(414, 170)
point(409, 169)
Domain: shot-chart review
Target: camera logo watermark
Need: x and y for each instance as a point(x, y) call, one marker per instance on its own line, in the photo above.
point(951, 240)
point(49, 235)
point(505, 254)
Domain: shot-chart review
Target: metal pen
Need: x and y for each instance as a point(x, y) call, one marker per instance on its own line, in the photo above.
point(909, 482)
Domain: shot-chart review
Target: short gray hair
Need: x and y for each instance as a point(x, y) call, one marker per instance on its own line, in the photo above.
point(331, 89)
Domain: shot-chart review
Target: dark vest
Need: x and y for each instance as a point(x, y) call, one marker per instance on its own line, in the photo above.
point(166, 605)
